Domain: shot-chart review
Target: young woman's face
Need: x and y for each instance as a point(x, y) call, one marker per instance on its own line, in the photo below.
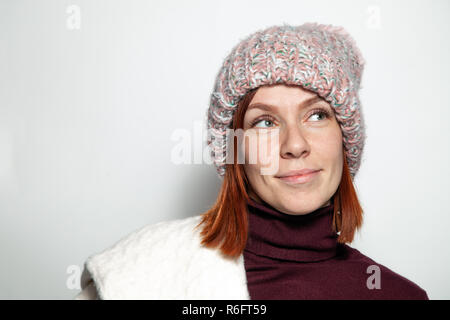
point(309, 137)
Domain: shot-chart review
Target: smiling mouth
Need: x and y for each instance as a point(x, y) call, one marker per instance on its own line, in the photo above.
point(300, 179)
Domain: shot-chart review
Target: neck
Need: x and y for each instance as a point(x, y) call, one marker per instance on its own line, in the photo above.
point(278, 235)
point(255, 198)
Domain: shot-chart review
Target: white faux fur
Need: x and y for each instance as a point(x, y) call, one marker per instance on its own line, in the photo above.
point(166, 261)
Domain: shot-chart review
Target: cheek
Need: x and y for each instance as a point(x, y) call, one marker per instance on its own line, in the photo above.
point(261, 148)
point(256, 180)
point(329, 147)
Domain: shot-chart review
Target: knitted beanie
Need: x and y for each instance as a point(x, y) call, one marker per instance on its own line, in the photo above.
point(320, 58)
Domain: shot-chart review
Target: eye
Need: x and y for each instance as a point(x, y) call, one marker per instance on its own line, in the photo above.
point(265, 120)
point(321, 112)
point(268, 121)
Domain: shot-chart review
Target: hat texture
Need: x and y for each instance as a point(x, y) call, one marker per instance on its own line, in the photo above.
point(317, 57)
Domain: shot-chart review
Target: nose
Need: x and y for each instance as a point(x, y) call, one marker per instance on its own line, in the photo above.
point(293, 143)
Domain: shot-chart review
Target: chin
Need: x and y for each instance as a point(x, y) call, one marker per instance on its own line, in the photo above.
point(300, 207)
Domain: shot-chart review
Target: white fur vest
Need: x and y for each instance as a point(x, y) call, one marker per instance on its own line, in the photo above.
point(165, 261)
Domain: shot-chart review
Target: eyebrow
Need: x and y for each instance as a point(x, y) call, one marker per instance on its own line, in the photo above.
point(269, 107)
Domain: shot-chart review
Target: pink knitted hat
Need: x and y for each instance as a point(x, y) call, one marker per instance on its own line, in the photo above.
point(321, 58)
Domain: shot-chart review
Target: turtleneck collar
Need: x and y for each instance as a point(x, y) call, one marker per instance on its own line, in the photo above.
point(302, 238)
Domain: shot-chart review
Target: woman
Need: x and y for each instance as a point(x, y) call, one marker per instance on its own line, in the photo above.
point(281, 223)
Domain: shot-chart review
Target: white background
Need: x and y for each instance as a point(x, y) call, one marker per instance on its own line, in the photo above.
point(86, 118)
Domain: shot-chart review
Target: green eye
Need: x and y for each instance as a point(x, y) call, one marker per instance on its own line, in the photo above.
point(324, 113)
point(268, 121)
point(265, 119)
point(264, 122)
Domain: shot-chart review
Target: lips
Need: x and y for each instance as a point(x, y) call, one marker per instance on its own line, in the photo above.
point(297, 173)
point(294, 177)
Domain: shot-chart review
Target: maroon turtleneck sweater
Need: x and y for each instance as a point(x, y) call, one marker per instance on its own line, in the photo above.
point(298, 257)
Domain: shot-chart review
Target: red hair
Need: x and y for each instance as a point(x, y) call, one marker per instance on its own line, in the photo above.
point(225, 224)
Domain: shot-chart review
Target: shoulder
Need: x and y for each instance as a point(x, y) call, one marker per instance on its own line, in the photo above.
point(153, 247)
point(384, 282)
point(151, 239)
point(157, 235)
